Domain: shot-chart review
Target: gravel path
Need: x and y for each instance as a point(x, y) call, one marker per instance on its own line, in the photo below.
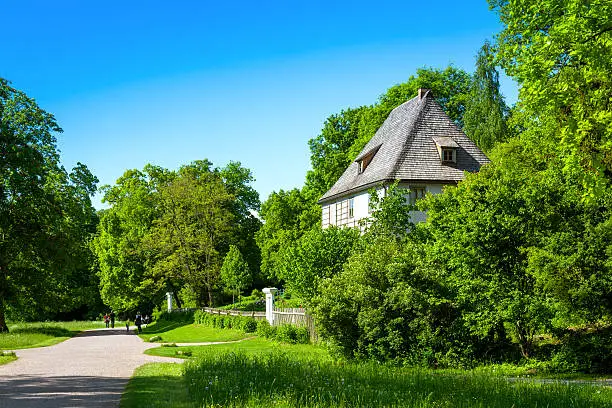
point(89, 370)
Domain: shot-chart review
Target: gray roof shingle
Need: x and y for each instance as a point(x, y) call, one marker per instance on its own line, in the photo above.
point(407, 150)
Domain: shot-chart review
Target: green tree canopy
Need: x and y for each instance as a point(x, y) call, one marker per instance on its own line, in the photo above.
point(559, 53)
point(235, 273)
point(46, 214)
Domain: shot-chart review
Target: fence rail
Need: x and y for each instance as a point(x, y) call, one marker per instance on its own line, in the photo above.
point(297, 317)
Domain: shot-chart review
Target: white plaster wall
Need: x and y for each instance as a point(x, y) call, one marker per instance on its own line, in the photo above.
point(362, 201)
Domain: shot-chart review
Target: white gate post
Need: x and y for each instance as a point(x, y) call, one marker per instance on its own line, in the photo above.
point(270, 304)
point(169, 297)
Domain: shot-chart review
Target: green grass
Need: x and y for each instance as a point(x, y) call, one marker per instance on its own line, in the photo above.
point(157, 385)
point(254, 346)
point(7, 357)
point(172, 332)
point(281, 380)
point(27, 335)
point(261, 373)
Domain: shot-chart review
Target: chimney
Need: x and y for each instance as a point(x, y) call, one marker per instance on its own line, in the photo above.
point(423, 92)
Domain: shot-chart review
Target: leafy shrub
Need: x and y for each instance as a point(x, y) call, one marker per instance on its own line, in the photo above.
point(250, 326)
point(154, 339)
point(287, 333)
point(169, 345)
point(302, 336)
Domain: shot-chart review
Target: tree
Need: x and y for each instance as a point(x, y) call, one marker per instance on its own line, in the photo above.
point(235, 272)
point(134, 205)
point(246, 204)
point(186, 242)
point(558, 51)
point(45, 213)
point(316, 257)
point(287, 216)
point(485, 111)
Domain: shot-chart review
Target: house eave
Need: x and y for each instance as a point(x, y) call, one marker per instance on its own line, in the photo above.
point(382, 182)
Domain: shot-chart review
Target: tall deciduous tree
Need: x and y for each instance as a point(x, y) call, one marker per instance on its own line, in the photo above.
point(45, 213)
point(134, 204)
point(187, 241)
point(559, 53)
point(485, 112)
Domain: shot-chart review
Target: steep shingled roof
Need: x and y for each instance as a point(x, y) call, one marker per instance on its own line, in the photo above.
point(405, 149)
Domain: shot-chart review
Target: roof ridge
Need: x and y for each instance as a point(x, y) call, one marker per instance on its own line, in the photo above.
point(410, 136)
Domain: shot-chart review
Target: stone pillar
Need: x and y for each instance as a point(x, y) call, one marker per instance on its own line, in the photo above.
point(169, 297)
point(270, 304)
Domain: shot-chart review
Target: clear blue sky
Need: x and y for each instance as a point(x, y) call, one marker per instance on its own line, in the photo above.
point(136, 82)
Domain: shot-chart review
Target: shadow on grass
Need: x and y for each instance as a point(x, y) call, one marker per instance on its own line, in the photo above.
point(157, 386)
point(48, 331)
point(163, 326)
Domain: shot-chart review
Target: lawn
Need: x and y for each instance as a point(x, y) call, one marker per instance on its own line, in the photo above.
point(7, 357)
point(27, 335)
point(261, 373)
point(173, 332)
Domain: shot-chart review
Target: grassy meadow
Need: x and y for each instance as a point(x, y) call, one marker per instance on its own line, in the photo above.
point(182, 332)
point(41, 334)
point(260, 373)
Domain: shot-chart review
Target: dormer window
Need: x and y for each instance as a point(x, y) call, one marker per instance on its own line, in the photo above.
point(364, 160)
point(447, 149)
point(449, 155)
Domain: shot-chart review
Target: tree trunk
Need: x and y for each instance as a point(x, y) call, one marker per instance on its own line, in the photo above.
point(177, 300)
point(3, 326)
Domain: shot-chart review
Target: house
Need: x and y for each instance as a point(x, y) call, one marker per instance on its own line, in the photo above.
point(419, 146)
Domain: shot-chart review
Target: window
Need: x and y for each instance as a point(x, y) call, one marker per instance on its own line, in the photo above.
point(351, 208)
point(449, 155)
point(416, 193)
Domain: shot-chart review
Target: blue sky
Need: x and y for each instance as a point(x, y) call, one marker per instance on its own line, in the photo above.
point(136, 82)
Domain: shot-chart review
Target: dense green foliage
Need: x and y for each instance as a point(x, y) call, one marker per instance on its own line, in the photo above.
point(559, 53)
point(46, 217)
point(170, 231)
point(485, 112)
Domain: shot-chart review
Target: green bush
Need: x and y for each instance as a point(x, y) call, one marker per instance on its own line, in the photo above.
point(154, 339)
point(244, 323)
point(287, 333)
point(302, 335)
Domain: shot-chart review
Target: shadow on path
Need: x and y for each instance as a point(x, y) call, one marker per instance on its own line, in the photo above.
point(78, 391)
point(105, 332)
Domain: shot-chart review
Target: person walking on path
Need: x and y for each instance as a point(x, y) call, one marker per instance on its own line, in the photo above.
point(138, 322)
point(127, 325)
point(112, 319)
point(106, 319)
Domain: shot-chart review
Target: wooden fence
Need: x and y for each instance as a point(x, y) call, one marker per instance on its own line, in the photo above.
point(297, 317)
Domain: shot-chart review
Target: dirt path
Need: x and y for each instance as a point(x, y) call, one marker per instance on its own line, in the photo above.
point(90, 370)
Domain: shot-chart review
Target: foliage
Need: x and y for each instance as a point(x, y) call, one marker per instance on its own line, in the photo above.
point(235, 272)
point(317, 256)
point(134, 205)
point(485, 111)
point(170, 230)
point(287, 215)
point(46, 216)
point(558, 52)
point(244, 323)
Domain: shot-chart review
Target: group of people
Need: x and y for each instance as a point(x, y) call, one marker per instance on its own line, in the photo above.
point(109, 319)
point(139, 320)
